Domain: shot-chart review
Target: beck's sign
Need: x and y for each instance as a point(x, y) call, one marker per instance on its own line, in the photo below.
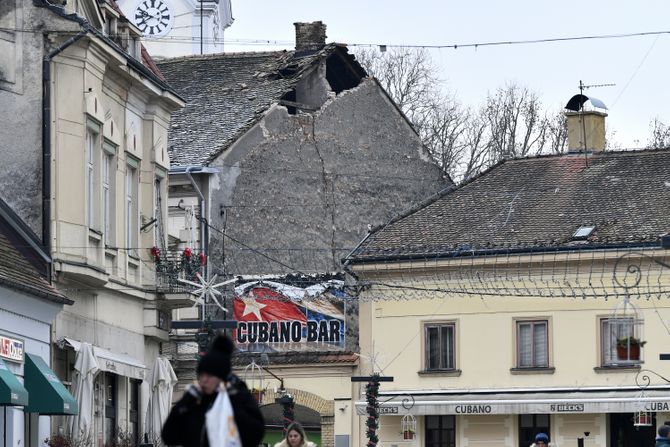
point(11, 349)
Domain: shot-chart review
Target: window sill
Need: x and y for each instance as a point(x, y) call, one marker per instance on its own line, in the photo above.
point(549, 370)
point(111, 252)
point(616, 368)
point(440, 372)
point(94, 235)
point(134, 261)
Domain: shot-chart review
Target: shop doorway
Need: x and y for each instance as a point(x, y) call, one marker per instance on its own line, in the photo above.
point(624, 434)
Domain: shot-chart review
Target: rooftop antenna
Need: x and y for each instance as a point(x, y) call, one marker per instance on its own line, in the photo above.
point(577, 103)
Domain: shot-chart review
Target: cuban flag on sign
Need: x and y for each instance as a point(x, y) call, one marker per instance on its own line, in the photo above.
point(276, 317)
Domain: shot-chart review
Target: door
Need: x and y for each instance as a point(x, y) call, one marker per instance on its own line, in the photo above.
point(624, 434)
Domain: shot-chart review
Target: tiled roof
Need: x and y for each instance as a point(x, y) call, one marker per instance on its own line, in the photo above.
point(537, 203)
point(18, 273)
point(226, 94)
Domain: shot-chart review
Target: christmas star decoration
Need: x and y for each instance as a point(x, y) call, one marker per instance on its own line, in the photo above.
point(206, 291)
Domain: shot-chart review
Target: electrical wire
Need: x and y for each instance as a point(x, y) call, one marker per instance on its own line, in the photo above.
point(454, 46)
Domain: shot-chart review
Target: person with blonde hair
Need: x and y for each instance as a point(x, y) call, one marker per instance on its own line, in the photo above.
point(295, 437)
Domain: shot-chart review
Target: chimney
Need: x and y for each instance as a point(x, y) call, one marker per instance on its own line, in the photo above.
point(309, 37)
point(593, 122)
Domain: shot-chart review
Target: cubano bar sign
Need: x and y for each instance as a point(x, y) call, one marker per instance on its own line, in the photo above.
point(11, 349)
point(278, 316)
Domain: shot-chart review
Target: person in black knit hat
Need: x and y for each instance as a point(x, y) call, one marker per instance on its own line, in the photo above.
point(185, 425)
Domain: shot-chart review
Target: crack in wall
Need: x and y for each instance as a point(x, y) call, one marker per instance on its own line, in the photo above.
point(324, 175)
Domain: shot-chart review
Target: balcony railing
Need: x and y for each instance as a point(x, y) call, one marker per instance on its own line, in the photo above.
point(172, 266)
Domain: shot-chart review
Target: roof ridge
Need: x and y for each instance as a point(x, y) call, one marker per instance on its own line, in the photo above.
point(196, 57)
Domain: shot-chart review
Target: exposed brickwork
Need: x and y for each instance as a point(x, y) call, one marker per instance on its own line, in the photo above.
point(310, 36)
point(326, 408)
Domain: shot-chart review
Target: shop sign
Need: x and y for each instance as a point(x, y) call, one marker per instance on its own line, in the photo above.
point(11, 349)
point(473, 409)
point(277, 315)
point(566, 408)
point(613, 406)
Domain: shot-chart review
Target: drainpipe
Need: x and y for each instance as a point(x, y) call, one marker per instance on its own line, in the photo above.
point(46, 139)
point(204, 231)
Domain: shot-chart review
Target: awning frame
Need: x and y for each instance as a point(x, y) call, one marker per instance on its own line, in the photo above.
point(121, 364)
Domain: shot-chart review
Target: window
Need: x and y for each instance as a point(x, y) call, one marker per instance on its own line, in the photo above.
point(611, 331)
point(131, 205)
point(441, 431)
point(440, 343)
point(532, 344)
point(159, 227)
point(108, 174)
point(92, 175)
point(530, 425)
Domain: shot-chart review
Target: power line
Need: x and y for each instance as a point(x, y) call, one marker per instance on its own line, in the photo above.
point(455, 46)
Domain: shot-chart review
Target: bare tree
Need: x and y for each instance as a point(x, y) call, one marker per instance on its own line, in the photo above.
point(475, 155)
point(555, 140)
point(464, 141)
point(660, 135)
point(515, 122)
point(407, 75)
point(443, 130)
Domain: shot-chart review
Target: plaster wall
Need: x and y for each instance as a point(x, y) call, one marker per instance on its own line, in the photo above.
point(21, 112)
point(308, 185)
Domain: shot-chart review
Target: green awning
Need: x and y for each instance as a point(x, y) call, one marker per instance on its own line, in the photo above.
point(49, 395)
point(12, 391)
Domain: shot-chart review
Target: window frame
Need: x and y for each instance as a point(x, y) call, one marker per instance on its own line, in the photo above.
point(92, 146)
point(108, 189)
point(131, 202)
point(441, 325)
point(517, 337)
point(441, 429)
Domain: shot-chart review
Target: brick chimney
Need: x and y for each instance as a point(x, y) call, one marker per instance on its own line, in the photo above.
point(309, 37)
point(593, 122)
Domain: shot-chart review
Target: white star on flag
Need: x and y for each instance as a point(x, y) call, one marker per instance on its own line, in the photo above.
point(251, 306)
point(206, 291)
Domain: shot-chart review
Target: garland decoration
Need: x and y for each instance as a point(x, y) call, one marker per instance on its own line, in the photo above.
point(372, 423)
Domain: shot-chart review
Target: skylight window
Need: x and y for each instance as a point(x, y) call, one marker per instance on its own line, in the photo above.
point(583, 233)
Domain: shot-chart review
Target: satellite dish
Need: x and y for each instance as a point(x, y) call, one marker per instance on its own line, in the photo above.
point(576, 102)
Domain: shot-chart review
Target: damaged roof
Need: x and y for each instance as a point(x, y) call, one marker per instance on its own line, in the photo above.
point(536, 203)
point(228, 93)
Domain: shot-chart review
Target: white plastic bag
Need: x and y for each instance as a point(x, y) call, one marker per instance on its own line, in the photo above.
point(220, 422)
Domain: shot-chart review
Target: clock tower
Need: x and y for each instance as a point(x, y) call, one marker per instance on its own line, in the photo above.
point(180, 27)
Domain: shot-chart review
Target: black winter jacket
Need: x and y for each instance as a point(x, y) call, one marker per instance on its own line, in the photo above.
point(185, 425)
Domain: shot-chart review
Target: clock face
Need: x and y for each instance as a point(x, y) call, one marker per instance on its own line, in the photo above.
point(153, 17)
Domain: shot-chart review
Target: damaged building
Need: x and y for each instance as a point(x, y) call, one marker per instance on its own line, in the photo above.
point(280, 162)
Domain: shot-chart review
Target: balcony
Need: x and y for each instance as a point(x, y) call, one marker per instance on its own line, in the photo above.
point(173, 266)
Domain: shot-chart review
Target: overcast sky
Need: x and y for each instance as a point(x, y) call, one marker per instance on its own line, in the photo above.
point(637, 65)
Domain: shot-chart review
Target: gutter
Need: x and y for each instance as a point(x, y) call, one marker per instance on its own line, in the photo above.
point(204, 229)
point(46, 138)
point(500, 251)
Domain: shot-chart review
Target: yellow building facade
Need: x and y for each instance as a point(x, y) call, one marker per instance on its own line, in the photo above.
point(531, 299)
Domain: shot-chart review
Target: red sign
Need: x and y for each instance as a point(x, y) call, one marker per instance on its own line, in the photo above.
point(11, 349)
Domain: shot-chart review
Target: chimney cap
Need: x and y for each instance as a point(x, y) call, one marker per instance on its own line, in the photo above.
point(576, 102)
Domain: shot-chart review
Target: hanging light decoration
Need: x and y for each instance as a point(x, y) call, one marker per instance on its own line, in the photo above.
point(408, 426)
point(253, 376)
point(625, 328)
